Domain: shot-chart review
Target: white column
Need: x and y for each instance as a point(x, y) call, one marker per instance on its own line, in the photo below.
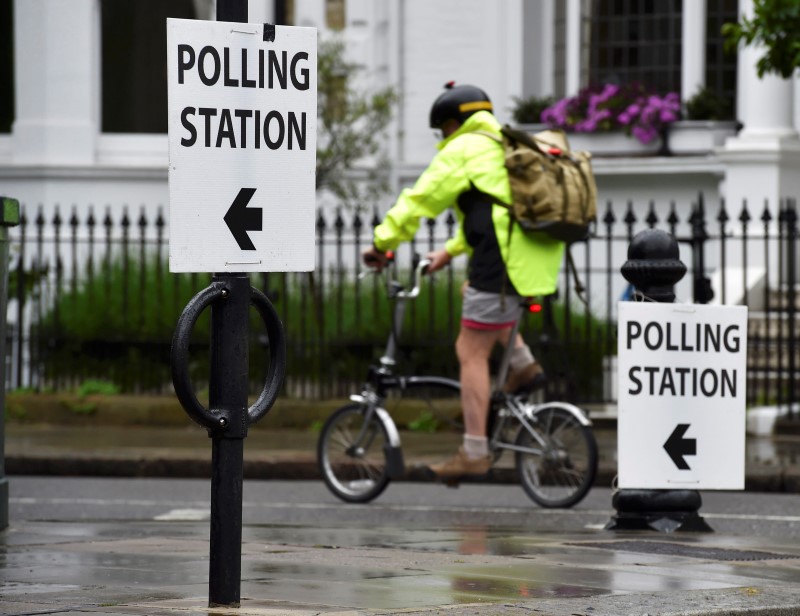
point(797, 101)
point(693, 56)
point(766, 104)
point(537, 33)
point(761, 162)
point(56, 62)
point(573, 47)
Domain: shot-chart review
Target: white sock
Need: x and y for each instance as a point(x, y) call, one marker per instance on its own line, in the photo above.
point(476, 446)
point(521, 357)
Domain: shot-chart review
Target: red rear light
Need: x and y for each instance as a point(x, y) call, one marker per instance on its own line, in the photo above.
point(390, 255)
point(535, 307)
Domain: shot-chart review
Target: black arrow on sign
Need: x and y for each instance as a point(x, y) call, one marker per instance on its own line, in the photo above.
point(677, 446)
point(240, 219)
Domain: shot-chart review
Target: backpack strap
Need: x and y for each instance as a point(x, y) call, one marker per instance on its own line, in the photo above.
point(486, 133)
point(580, 290)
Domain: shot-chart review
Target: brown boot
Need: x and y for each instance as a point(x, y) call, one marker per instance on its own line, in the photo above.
point(460, 465)
point(530, 378)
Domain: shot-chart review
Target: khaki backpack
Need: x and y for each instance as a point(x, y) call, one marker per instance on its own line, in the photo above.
point(552, 188)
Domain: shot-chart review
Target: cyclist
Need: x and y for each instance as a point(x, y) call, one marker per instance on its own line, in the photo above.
point(505, 263)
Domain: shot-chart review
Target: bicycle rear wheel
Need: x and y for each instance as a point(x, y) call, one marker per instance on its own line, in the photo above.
point(559, 470)
point(351, 455)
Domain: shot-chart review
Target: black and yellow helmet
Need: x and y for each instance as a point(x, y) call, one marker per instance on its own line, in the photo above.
point(458, 103)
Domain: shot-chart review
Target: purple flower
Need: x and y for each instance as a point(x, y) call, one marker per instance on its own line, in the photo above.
point(645, 134)
point(630, 106)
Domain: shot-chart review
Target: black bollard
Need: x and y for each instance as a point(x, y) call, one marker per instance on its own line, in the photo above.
point(228, 417)
point(654, 267)
point(227, 392)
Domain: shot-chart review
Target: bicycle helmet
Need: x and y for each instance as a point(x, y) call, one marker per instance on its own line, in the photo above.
point(458, 103)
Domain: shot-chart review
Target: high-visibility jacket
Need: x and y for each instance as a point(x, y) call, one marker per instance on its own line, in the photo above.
point(466, 162)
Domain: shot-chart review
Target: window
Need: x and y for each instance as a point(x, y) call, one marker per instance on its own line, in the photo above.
point(636, 41)
point(134, 67)
point(721, 66)
point(6, 66)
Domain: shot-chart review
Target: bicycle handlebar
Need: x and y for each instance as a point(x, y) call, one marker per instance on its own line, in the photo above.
point(419, 271)
point(397, 289)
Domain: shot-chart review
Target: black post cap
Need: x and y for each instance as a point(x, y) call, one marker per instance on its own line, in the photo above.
point(654, 265)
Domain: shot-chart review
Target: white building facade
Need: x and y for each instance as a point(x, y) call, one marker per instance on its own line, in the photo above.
point(59, 148)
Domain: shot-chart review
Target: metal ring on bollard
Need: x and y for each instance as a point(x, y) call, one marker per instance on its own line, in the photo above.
point(179, 355)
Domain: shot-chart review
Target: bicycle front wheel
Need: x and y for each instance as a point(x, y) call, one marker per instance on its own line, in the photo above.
point(558, 468)
point(351, 454)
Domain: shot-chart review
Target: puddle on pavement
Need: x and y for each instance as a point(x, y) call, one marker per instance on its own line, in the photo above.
point(383, 568)
point(464, 565)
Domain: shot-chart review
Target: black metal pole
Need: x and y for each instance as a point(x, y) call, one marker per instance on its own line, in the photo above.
point(228, 393)
point(791, 300)
point(232, 10)
point(703, 293)
point(9, 217)
point(228, 396)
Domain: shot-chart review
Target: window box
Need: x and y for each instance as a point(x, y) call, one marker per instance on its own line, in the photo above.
point(609, 143)
point(698, 136)
point(686, 137)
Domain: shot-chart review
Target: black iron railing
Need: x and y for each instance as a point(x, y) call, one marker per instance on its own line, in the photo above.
point(91, 298)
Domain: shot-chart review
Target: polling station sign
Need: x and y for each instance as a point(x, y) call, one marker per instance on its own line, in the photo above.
point(242, 102)
point(681, 396)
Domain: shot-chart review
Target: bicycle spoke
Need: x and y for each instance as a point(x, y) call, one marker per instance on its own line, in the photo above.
point(351, 455)
point(559, 473)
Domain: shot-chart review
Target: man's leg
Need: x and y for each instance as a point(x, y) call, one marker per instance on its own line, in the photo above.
point(525, 373)
point(473, 348)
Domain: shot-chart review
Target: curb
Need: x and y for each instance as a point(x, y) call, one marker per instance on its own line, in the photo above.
point(772, 479)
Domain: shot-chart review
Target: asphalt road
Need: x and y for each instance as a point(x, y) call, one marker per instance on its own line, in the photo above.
point(403, 505)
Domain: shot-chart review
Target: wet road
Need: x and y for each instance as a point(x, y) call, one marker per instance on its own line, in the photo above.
point(410, 505)
point(140, 546)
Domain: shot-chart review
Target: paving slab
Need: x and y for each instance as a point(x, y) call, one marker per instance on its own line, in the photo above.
point(154, 568)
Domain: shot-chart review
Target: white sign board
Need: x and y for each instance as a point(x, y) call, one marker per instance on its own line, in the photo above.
point(242, 146)
point(681, 396)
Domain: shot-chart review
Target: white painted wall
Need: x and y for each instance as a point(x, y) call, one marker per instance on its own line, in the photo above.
point(56, 154)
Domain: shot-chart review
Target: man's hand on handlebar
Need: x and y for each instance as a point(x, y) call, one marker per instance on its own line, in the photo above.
point(439, 259)
point(375, 259)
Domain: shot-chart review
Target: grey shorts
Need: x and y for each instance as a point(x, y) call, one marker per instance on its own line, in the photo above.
point(483, 310)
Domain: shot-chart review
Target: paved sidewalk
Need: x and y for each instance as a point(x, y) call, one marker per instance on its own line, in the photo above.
point(772, 463)
point(152, 568)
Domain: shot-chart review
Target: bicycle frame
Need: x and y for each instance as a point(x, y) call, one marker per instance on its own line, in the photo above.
point(381, 379)
point(525, 413)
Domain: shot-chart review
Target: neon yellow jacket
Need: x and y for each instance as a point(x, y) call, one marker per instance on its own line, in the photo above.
point(467, 160)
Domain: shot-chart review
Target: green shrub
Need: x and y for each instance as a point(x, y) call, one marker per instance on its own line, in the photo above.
point(707, 105)
point(106, 332)
point(528, 110)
